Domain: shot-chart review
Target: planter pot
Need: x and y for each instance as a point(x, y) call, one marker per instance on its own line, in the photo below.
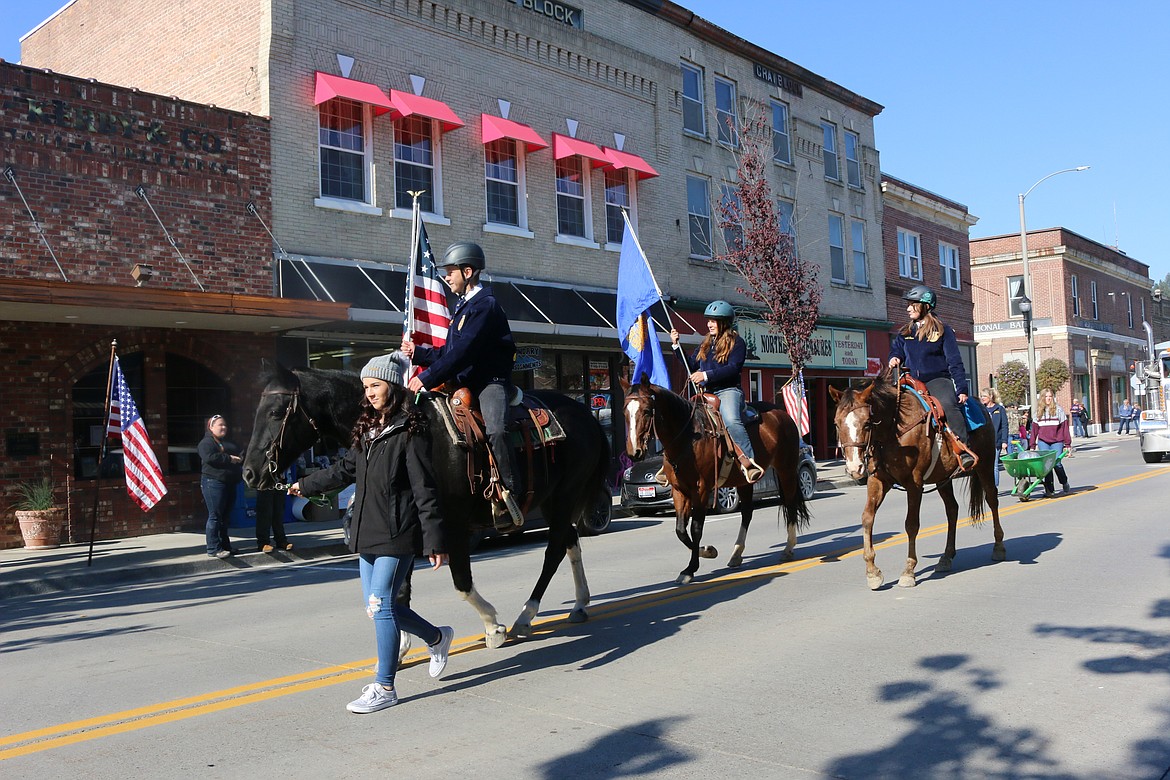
point(41, 528)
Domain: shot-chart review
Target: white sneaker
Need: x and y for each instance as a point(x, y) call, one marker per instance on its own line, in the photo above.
point(440, 650)
point(374, 697)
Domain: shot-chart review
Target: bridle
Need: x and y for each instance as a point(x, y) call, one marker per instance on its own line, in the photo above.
point(652, 429)
point(866, 446)
point(272, 452)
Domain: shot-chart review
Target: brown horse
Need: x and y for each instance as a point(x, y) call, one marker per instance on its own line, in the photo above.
point(690, 464)
point(886, 435)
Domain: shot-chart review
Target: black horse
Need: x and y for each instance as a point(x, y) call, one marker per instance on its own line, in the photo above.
point(301, 406)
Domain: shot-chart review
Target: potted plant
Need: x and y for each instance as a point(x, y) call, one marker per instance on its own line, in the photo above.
point(39, 516)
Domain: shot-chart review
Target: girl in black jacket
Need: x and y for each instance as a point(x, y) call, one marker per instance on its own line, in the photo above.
point(395, 517)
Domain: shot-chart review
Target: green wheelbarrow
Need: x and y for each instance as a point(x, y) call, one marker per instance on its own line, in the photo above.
point(1029, 468)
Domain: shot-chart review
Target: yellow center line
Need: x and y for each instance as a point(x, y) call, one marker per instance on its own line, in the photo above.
point(77, 731)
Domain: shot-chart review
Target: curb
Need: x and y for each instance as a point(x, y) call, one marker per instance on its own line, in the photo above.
point(62, 581)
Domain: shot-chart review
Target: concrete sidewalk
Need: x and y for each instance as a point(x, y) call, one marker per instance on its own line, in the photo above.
point(159, 556)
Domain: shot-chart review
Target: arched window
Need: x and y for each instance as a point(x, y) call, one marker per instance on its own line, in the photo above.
point(194, 393)
point(90, 394)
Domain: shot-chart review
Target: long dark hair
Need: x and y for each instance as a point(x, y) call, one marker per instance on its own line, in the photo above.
point(722, 342)
point(371, 420)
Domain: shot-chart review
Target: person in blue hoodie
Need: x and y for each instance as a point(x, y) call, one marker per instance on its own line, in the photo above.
point(928, 349)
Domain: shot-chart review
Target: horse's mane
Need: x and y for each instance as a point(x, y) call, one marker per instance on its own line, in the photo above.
point(884, 397)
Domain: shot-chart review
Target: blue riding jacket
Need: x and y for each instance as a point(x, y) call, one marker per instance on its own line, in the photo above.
point(927, 360)
point(720, 376)
point(479, 349)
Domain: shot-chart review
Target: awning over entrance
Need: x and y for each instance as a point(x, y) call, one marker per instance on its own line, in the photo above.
point(495, 128)
point(407, 104)
point(329, 87)
point(377, 294)
point(564, 146)
point(623, 160)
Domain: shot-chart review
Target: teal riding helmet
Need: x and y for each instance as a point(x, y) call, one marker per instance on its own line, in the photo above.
point(719, 310)
point(920, 293)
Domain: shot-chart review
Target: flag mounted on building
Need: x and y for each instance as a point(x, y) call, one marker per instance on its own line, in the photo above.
point(428, 315)
point(636, 293)
point(144, 477)
point(796, 404)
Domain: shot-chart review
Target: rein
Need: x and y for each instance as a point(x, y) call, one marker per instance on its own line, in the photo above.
point(273, 450)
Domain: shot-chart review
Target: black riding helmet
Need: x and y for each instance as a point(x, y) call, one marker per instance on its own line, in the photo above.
point(466, 253)
point(920, 293)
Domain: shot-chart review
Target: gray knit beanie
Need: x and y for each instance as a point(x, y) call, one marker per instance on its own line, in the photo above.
point(390, 368)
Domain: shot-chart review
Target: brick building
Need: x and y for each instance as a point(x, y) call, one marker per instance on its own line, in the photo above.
point(925, 240)
point(529, 127)
point(190, 339)
point(1089, 304)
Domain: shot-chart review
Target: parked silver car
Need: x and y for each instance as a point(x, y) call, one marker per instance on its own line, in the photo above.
point(643, 496)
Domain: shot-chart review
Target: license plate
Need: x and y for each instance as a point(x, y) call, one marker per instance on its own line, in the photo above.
point(646, 491)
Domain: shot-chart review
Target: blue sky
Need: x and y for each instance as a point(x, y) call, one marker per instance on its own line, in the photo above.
point(981, 100)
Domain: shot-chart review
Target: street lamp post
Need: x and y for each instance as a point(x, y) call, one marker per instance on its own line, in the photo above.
point(1026, 310)
point(1028, 278)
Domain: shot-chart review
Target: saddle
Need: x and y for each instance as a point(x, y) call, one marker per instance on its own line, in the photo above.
point(531, 425)
point(934, 413)
point(710, 423)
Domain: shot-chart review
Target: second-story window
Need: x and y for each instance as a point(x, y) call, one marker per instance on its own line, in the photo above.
point(781, 141)
point(699, 216)
point(1076, 296)
point(617, 197)
point(571, 195)
point(853, 159)
point(786, 211)
point(1129, 310)
point(832, 165)
point(733, 233)
point(860, 269)
point(948, 261)
point(414, 163)
point(343, 150)
point(692, 99)
point(1093, 298)
point(837, 248)
point(725, 118)
point(909, 255)
point(502, 175)
point(1015, 285)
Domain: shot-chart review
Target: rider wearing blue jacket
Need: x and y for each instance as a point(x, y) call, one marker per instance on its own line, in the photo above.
point(479, 355)
point(716, 366)
point(929, 350)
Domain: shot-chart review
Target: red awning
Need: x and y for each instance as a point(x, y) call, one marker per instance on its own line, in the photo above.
point(495, 128)
point(623, 160)
point(407, 104)
point(329, 87)
point(564, 146)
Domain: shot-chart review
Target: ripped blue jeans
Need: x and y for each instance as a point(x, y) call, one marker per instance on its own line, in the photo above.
point(382, 577)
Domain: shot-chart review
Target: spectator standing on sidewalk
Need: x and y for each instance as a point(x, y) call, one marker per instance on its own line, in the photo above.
point(395, 517)
point(1050, 432)
point(222, 471)
point(1124, 417)
point(1080, 417)
point(999, 424)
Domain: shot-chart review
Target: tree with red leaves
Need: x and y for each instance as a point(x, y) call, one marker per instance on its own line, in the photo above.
point(765, 257)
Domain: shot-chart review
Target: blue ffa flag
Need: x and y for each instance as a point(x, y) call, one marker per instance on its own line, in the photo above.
point(635, 295)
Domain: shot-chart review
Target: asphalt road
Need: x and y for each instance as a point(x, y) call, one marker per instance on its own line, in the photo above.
point(1052, 664)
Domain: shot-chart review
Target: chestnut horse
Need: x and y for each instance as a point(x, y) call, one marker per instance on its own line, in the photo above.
point(888, 437)
point(689, 464)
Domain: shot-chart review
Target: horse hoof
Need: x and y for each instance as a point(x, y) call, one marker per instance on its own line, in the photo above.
point(684, 579)
point(735, 561)
point(999, 553)
point(944, 565)
point(708, 552)
point(495, 638)
point(578, 616)
point(906, 581)
point(788, 556)
point(875, 581)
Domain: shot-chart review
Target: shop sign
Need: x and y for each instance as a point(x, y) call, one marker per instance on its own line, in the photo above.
point(841, 348)
point(784, 82)
point(1006, 326)
point(528, 358)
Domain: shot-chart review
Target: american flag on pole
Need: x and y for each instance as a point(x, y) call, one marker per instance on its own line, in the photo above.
point(796, 404)
point(144, 478)
point(429, 317)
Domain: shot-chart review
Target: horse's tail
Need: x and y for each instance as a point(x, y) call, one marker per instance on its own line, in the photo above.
point(977, 500)
point(796, 511)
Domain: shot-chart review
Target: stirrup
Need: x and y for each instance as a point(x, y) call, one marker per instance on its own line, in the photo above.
point(752, 471)
point(513, 507)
